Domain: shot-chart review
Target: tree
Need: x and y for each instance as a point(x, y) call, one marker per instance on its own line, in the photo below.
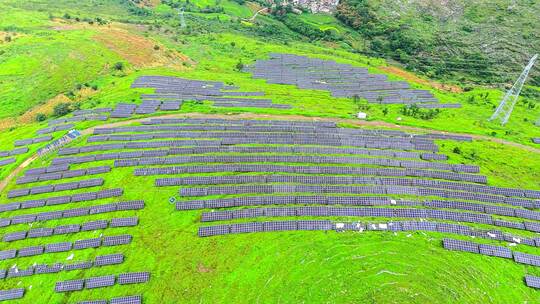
point(40, 117)
point(62, 109)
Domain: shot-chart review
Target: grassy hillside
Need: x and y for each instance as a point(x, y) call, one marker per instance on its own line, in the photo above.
point(88, 53)
point(484, 42)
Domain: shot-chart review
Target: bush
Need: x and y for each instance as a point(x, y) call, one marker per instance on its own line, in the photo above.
point(119, 66)
point(40, 117)
point(239, 66)
point(416, 112)
point(456, 150)
point(156, 47)
point(62, 109)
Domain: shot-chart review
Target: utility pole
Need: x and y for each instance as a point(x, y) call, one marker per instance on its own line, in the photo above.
point(509, 100)
point(181, 15)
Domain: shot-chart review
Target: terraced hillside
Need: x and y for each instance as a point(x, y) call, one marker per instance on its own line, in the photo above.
point(138, 209)
point(142, 161)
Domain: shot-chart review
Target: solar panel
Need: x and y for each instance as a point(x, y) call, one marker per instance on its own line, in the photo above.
point(133, 278)
point(11, 294)
point(117, 240)
point(532, 281)
point(127, 300)
point(71, 285)
point(99, 282)
point(110, 259)
point(93, 302)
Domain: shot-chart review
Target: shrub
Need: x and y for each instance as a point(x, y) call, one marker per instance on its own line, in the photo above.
point(40, 117)
point(156, 47)
point(62, 109)
point(456, 150)
point(239, 66)
point(119, 66)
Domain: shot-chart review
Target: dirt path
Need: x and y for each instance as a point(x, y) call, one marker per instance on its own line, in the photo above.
point(89, 131)
point(16, 172)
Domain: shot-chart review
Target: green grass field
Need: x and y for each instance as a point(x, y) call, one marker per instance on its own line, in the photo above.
point(50, 55)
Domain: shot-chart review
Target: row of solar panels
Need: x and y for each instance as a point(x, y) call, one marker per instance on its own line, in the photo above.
point(70, 229)
point(265, 129)
point(16, 151)
point(380, 190)
point(359, 212)
point(326, 225)
point(69, 213)
point(7, 161)
point(29, 141)
point(39, 177)
point(92, 111)
point(230, 139)
point(77, 118)
point(98, 261)
point(58, 200)
point(350, 135)
point(55, 128)
point(106, 241)
point(243, 149)
point(315, 179)
point(203, 147)
point(343, 160)
point(364, 201)
point(253, 122)
point(87, 183)
point(102, 281)
point(350, 170)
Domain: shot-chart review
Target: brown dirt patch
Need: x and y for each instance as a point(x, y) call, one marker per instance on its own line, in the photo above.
point(125, 40)
point(413, 78)
point(203, 269)
point(253, 6)
point(46, 108)
point(138, 50)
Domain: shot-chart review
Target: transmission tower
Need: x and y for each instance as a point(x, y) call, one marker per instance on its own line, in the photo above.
point(182, 20)
point(507, 104)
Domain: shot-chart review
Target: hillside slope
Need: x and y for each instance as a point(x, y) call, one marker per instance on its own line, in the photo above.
point(485, 41)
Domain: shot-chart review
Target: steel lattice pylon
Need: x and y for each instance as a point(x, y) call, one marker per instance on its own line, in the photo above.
point(507, 104)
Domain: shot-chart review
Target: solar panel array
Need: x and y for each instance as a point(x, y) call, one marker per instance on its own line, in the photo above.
point(170, 92)
point(289, 169)
point(78, 118)
point(102, 281)
point(394, 226)
point(56, 187)
point(11, 294)
point(37, 269)
point(7, 161)
point(16, 151)
point(342, 80)
point(70, 229)
point(55, 128)
point(47, 174)
point(29, 141)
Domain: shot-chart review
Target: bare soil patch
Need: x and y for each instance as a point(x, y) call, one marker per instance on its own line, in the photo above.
point(413, 78)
